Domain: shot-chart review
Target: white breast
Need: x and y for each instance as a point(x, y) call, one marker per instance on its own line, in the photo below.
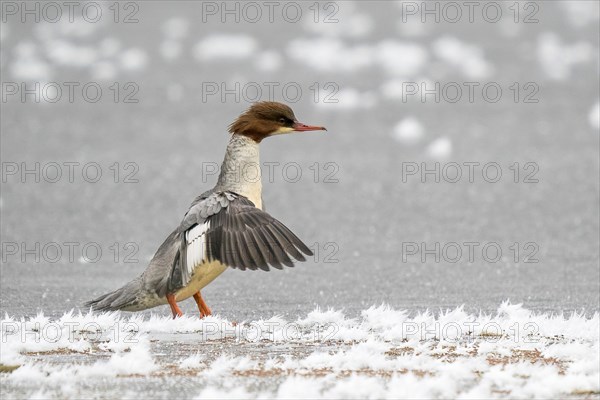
point(203, 274)
point(254, 194)
point(201, 271)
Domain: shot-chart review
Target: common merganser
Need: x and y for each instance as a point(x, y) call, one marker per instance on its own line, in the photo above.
point(224, 227)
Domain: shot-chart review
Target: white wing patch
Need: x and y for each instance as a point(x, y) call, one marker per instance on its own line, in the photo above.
point(196, 249)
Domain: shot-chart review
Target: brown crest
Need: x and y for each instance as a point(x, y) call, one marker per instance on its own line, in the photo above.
point(263, 119)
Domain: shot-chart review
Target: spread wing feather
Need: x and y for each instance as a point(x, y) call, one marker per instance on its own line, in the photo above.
point(227, 227)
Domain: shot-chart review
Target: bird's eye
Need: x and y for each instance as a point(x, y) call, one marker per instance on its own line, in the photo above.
point(282, 120)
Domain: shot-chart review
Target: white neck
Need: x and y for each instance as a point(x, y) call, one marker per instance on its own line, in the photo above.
point(240, 171)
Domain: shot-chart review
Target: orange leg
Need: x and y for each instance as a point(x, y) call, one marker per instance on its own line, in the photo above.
point(174, 307)
point(204, 310)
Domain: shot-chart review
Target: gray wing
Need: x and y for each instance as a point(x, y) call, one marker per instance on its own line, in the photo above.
point(228, 228)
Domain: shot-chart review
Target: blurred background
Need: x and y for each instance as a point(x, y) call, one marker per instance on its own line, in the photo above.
point(143, 92)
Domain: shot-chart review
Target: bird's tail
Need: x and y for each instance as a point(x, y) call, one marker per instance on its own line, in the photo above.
point(127, 298)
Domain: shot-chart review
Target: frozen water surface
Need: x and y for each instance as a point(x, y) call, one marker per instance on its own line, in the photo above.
point(343, 323)
point(383, 353)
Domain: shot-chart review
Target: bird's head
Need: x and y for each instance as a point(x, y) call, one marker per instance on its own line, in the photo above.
point(268, 118)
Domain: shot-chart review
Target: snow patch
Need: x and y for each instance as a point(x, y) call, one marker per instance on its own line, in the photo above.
point(269, 61)
point(28, 64)
point(346, 99)
point(440, 148)
point(466, 58)
point(401, 58)
point(225, 46)
point(383, 353)
point(330, 54)
point(175, 28)
point(133, 59)
point(104, 70)
point(63, 52)
point(355, 24)
point(192, 362)
point(558, 60)
point(408, 131)
point(581, 13)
